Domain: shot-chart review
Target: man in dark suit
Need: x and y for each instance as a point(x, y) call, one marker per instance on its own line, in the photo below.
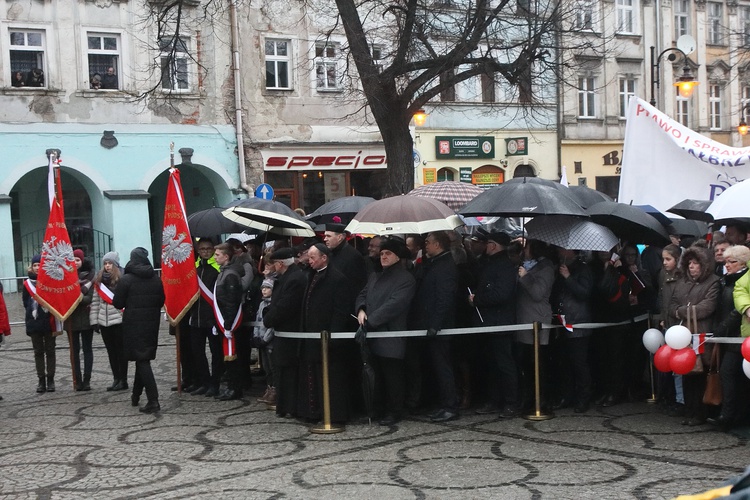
point(283, 315)
point(327, 305)
point(345, 257)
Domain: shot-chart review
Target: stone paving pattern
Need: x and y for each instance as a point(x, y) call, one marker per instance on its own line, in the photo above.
point(72, 445)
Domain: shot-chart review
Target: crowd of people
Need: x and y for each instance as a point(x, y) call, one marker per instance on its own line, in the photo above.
point(337, 283)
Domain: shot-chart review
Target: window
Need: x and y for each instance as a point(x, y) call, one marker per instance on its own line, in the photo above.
point(27, 58)
point(278, 67)
point(745, 25)
point(326, 66)
point(445, 174)
point(714, 22)
point(174, 63)
point(627, 90)
point(488, 88)
point(586, 98)
point(103, 57)
point(377, 56)
point(745, 101)
point(626, 16)
point(584, 15)
point(714, 106)
point(448, 94)
point(682, 112)
point(681, 18)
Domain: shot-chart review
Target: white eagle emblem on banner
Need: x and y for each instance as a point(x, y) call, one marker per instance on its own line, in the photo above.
point(172, 247)
point(56, 258)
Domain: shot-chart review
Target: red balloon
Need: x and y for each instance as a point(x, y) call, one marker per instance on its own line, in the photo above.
point(746, 348)
point(683, 361)
point(662, 358)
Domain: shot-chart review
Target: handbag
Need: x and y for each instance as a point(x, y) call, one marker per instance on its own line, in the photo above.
point(713, 394)
point(698, 368)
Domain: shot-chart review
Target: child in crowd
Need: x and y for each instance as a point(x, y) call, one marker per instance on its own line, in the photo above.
point(263, 340)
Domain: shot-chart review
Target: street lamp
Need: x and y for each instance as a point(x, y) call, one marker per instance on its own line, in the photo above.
point(743, 128)
point(420, 116)
point(686, 83)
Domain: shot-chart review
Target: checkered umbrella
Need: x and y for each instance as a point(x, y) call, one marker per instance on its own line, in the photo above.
point(453, 194)
point(571, 233)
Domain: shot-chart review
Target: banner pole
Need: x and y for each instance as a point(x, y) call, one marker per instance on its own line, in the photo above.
point(326, 427)
point(537, 415)
point(178, 357)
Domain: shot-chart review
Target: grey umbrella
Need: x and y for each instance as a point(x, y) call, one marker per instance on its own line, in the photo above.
point(585, 196)
point(523, 198)
point(345, 208)
point(693, 209)
point(571, 233)
point(628, 222)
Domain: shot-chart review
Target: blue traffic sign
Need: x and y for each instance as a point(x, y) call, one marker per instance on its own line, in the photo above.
point(264, 191)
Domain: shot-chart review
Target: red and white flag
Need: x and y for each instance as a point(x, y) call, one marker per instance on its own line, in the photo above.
point(177, 259)
point(57, 288)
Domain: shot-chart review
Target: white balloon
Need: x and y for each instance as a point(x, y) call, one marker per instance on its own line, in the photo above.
point(678, 337)
point(746, 367)
point(653, 339)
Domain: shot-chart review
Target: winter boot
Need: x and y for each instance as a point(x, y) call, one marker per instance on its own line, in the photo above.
point(86, 386)
point(271, 399)
point(50, 383)
point(42, 387)
point(263, 398)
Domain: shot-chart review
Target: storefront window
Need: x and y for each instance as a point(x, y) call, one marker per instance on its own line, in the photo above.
point(445, 174)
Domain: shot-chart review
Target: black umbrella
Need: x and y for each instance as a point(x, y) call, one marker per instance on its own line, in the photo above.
point(628, 222)
point(345, 208)
point(267, 215)
point(693, 209)
point(523, 198)
point(210, 223)
point(687, 227)
point(585, 196)
point(368, 372)
point(655, 213)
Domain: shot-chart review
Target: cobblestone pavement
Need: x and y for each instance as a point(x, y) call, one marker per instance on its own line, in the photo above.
point(69, 445)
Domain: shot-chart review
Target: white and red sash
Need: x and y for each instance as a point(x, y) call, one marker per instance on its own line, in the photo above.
point(566, 325)
point(230, 353)
point(206, 294)
point(56, 325)
point(105, 293)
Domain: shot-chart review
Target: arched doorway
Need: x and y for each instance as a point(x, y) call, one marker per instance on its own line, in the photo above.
point(524, 171)
point(446, 174)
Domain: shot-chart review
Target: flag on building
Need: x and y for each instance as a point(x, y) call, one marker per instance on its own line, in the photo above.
point(57, 288)
point(177, 259)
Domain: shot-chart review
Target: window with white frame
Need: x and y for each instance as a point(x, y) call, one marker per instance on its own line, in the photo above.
point(715, 18)
point(27, 58)
point(745, 25)
point(626, 16)
point(681, 18)
point(714, 106)
point(326, 66)
point(586, 97)
point(376, 51)
point(103, 52)
point(745, 103)
point(278, 64)
point(175, 63)
point(585, 15)
point(682, 111)
point(627, 90)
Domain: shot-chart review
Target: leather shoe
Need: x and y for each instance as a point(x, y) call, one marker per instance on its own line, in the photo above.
point(721, 422)
point(389, 420)
point(112, 387)
point(120, 386)
point(150, 407)
point(444, 415)
point(199, 391)
point(212, 392)
point(487, 409)
point(508, 412)
point(230, 395)
point(134, 399)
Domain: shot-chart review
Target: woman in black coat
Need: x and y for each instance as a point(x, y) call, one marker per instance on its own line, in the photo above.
point(141, 294)
point(383, 305)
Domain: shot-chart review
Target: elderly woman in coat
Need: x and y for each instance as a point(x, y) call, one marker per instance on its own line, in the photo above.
point(141, 294)
point(698, 291)
point(383, 306)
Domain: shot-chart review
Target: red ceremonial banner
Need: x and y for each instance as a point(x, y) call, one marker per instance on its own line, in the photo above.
point(177, 259)
point(57, 287)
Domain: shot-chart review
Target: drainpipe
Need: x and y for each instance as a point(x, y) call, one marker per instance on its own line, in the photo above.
point(238, 95)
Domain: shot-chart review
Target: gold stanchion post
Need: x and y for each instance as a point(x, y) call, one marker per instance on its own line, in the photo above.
point(325, 427)
point(537, 415)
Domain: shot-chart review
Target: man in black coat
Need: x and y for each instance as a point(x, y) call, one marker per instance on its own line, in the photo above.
point(495, 299)
point(433, 309)
point(202, 322)
point(284, 315)
point(327, 305)
point(141, 294)
point(345, 257)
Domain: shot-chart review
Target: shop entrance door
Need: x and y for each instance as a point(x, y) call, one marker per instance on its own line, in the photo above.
point(287, 196)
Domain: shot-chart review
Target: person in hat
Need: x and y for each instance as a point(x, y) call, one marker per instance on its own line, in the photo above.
point(39, 328)
point(141, 294)
point(263, 340)
point(383, 305)
point(284, 315)
point(83, 333)
point(107, 319)
point(345, 257)
point(495, 303)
